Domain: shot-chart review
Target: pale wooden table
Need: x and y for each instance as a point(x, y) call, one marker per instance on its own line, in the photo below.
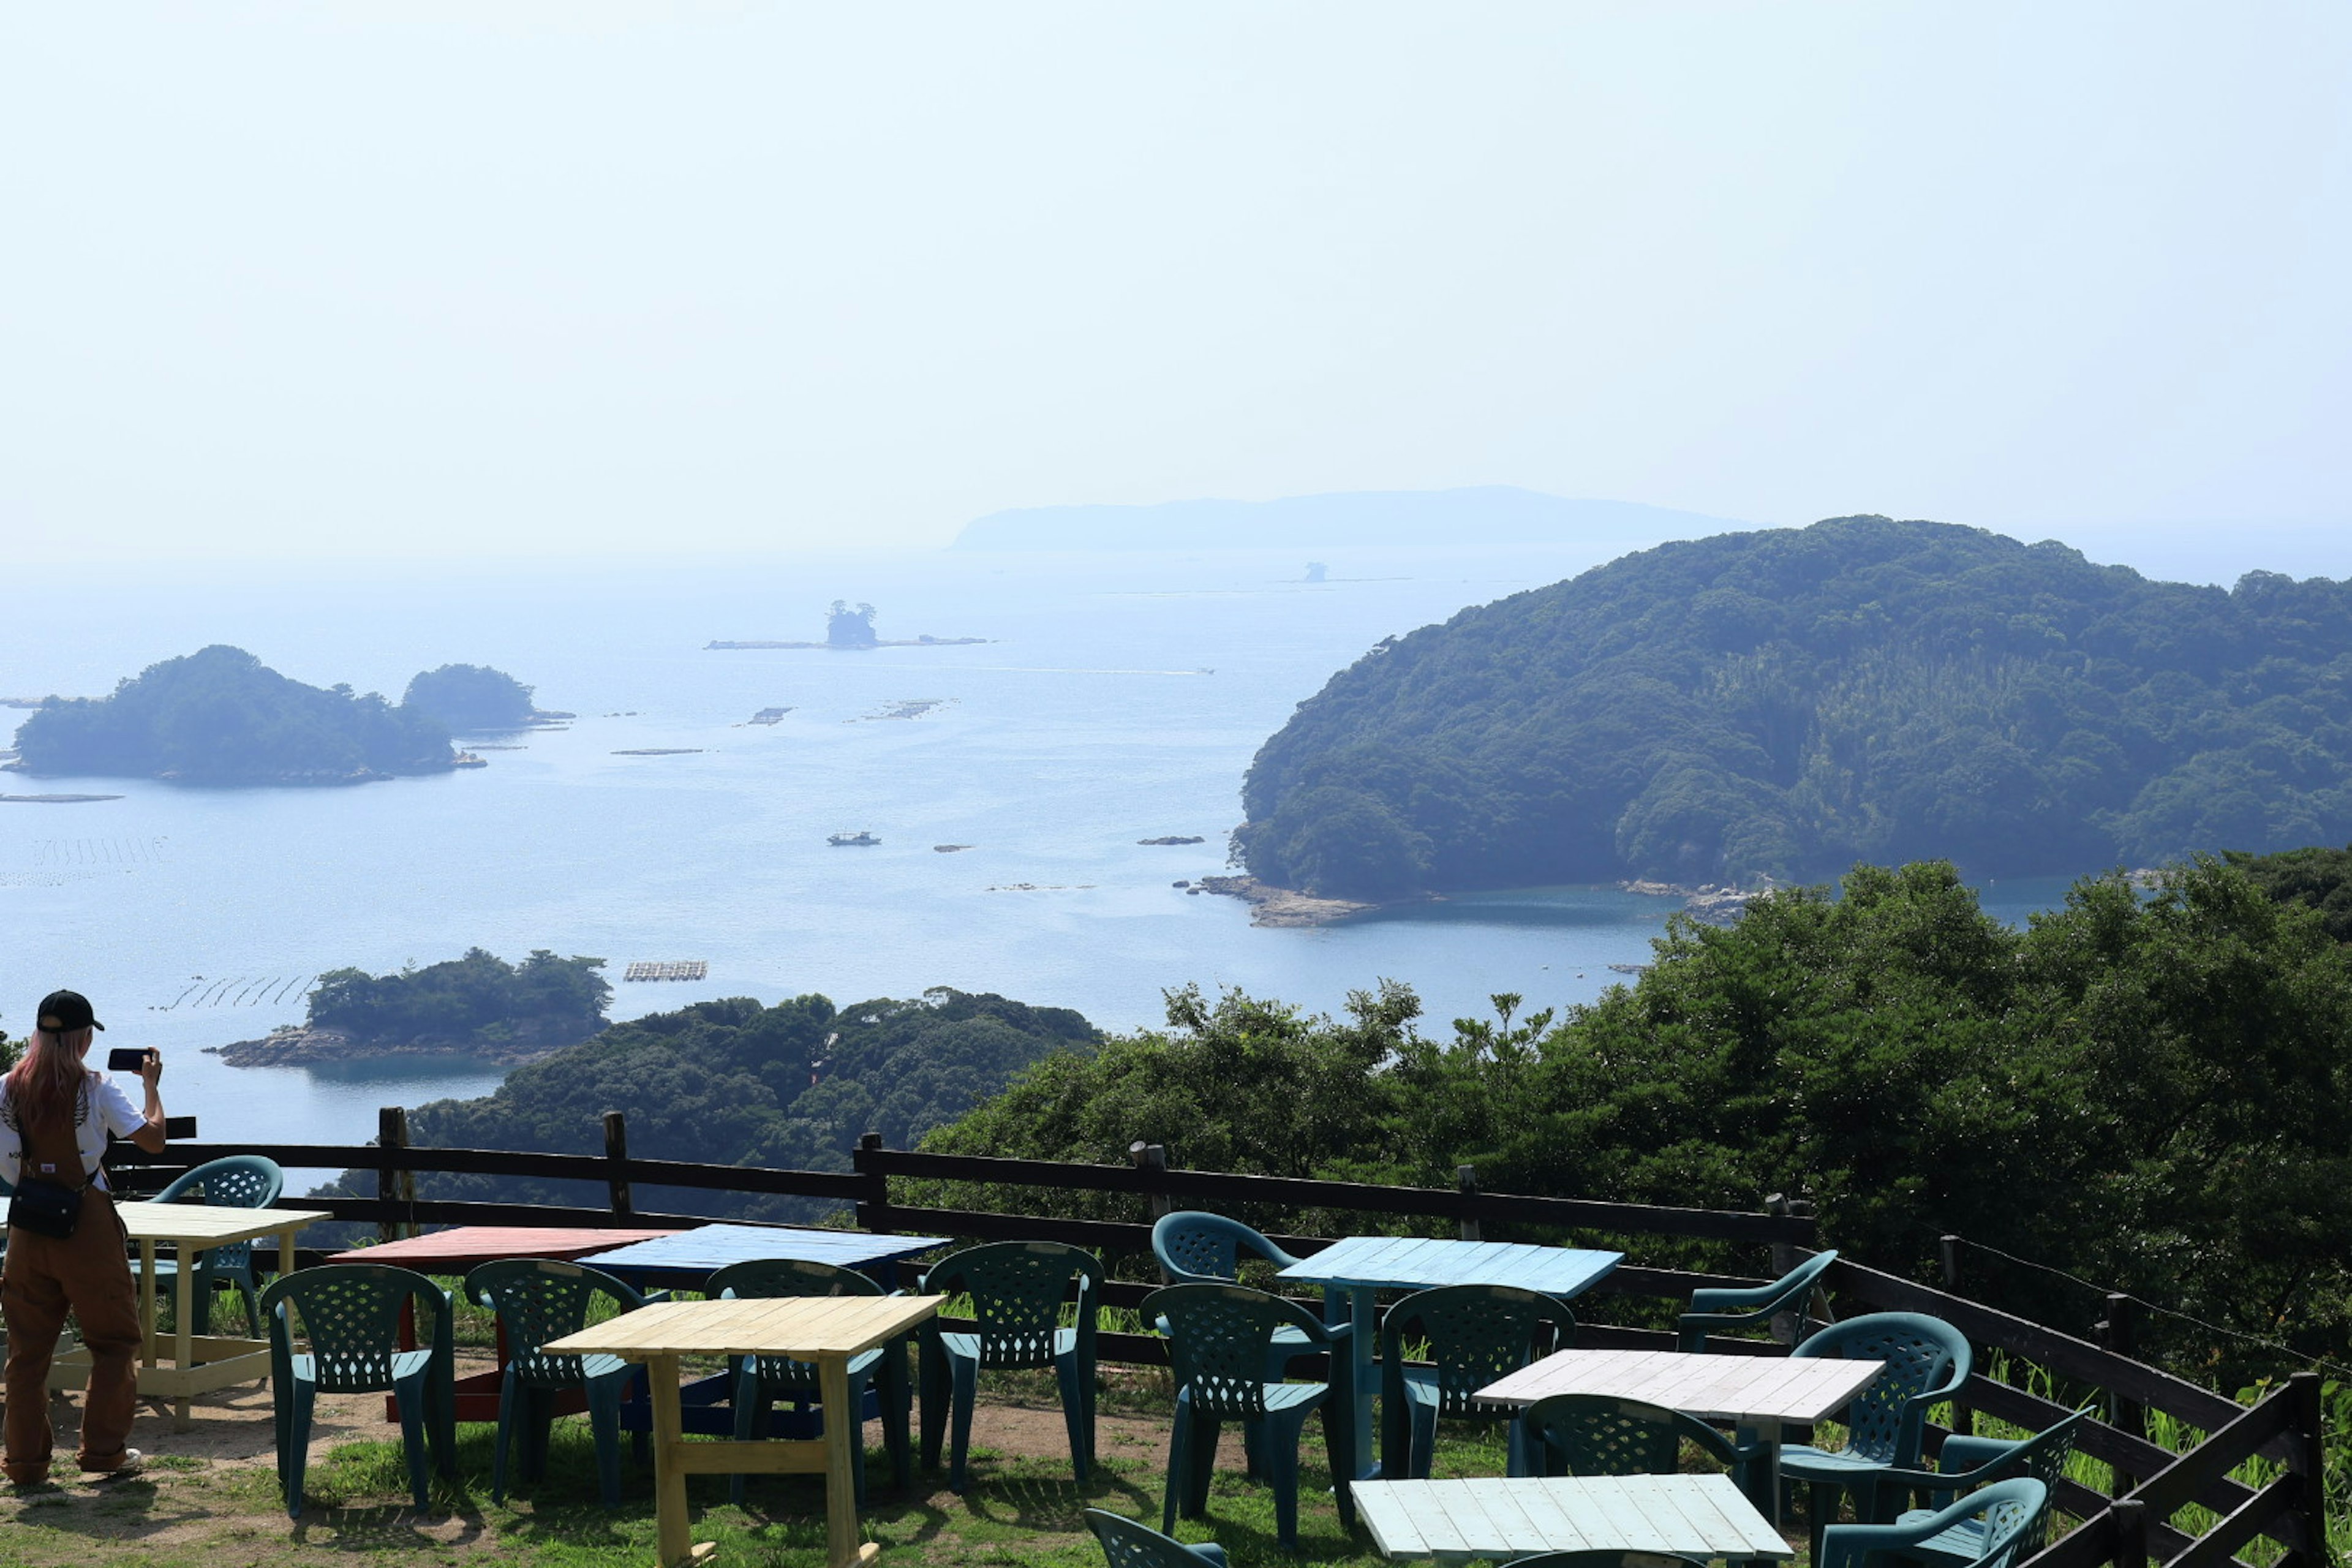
point(200, 1363)
point(1686, 1516)
point(826, 1329)
point(1354, 1270)
point(1759, 1393)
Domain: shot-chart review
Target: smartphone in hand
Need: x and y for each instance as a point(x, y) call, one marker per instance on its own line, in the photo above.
point(126, 1059)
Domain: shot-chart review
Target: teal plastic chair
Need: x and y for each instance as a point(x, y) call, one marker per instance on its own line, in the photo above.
point(1016, 1289)
point(878, 1376)
point(538, 1299)
point(1475, 1335)
point(1220, 1337)
point(1595, 1435)
point(236, 1181)
point(1604, 1559)
point(1713, 1311)
point(1968, 1463)
point(2002, 1519)
point(1131, 1543)
point(1926, 1360)
point(350, 1314)
point(1195, 1248)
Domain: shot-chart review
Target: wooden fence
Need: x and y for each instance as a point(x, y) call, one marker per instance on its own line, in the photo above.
point(2141, 1519)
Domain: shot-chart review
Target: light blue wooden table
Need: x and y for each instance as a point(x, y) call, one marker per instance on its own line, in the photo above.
point(686, 1259)
point(1682, 1516)
point(1353, 1270)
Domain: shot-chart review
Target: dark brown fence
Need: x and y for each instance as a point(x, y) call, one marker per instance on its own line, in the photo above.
point(2182, 1508)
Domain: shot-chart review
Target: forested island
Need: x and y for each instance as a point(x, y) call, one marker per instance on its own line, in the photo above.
point(794, 1085)
point(479, 1005)
point(1786, 703)
point(474, 699)
point(850, 629)
point(220, 716)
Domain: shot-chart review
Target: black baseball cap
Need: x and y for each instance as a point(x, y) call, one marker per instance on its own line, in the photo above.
point(62, 1012)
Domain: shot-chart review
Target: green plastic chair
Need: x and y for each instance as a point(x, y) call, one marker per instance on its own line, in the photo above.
point(1475, 1335)
point(543, 1299)
point(1220, 1337)
point(1926, 1360)
point(350, 1314)
point(1195, 1248)
point(1596, 1434)
point(1130, 1543)
point(1602, 1558)
point(236, 1181)
point(758, 1382)
point(1968, 1463)
point(2002, 1517)
point(1017, 1289)
point(1713, 1310)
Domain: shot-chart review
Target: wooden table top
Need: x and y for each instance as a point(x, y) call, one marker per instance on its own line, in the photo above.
point(691, 1254)
point(1688, 1516)
point(208, 1224)
point(801, 1327)
point(1406, 1263)
point(1721, 1387)
point(460, 1247)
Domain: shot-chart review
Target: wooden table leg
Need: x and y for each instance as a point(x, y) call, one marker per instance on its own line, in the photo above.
point(674, 1535)
point(147, 1303)
point(844, 1448)
point(184, 1310)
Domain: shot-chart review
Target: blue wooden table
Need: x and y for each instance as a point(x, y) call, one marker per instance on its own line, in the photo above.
point(1353, 1270)
point(684, 1260)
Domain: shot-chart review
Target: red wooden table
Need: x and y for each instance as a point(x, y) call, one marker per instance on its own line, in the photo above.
point(459, 1248)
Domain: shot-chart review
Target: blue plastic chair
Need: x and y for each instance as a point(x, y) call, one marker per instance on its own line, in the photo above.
point(1220, 1337)
point(1016, 1289)
point(1714, 1311)
point(1969, 1462)
point(236, 1181)
point(760, 1381)
point(1131, 1543)
point(1196, 1247)
point(543, 1299)
point(1926, 1360)
point(350, 1313)
point(2001, 1519)
point(1475, 1335)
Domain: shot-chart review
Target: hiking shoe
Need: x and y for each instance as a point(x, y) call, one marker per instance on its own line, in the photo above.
point(133, 1461)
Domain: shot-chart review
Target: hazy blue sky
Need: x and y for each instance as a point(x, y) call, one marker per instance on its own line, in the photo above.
point(279, 277)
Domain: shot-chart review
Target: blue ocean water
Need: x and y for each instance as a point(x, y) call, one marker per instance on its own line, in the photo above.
point(1120, 698)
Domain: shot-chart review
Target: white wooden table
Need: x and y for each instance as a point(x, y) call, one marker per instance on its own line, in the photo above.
point(1759, 1393)
point(1686, 1516)
point(1354, 1270)
point(826, 1329)
point(199, 1363)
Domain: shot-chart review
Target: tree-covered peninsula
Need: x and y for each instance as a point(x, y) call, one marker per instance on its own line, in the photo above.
point(1791, 702)
point(219, 716)
point(477, 1004)
point(470, 698)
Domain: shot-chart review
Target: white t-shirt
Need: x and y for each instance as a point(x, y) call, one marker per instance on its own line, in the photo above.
point(101, 1107)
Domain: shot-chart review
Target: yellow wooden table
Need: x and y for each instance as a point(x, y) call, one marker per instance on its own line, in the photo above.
point(200, 1363)
point(826, 1329)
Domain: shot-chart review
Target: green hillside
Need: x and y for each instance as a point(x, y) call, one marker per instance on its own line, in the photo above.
point(1791, 702)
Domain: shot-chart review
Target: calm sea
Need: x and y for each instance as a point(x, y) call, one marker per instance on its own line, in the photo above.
point(1120, 698)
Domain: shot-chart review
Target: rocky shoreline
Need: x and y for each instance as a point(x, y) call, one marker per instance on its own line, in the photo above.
point(1273, 905)
point(294, 1045)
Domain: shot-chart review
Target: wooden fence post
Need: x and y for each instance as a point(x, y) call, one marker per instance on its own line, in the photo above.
point(1151, 1159)
point(874, 1208)
point(1466, 1182)
point(2131, 1533)
point(393, 1187)
point(617, 1155)
point(2124, 1414)
point(2311, 1438)
point(1964, 1415)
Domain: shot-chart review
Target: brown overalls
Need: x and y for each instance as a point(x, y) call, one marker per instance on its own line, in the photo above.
point(88, 1272)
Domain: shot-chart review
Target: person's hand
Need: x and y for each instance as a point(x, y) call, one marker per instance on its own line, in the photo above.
point(151, 1071)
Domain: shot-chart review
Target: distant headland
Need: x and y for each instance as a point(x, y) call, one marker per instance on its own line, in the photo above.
point(478, 1005)
point(850, 629)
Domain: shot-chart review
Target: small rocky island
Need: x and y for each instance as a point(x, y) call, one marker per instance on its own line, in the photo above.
point(478, 1005)
point(850, 628)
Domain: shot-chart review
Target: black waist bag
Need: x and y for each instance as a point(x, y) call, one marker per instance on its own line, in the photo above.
point(45, 1208)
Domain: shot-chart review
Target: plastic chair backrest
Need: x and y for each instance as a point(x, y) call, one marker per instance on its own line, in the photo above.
point(2014, 1514)
point(1477, 1334)
point(774, 1277)
point(1925, 1358)
point(232, 1182)
point(349, 1312)
point(543, 1299)
point(1220, 1337)
point(1017, 1289)
point(1129, 1543)
point(1195, 1248)
point(1596, 1434)
point(1713, 1308)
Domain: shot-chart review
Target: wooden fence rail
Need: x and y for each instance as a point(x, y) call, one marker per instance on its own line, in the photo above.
point(2144, 1524)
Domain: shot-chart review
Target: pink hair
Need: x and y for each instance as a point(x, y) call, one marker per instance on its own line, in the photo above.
point(45, 1081)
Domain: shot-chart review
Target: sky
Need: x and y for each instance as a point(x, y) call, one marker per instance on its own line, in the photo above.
point(283, 279)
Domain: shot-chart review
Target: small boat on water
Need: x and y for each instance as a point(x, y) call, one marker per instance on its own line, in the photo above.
point(860, 838)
